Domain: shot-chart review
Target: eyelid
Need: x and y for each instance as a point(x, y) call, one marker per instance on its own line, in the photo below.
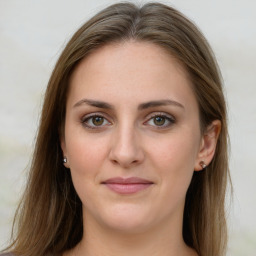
point(160, 113)
point(94, 114)
point(169, 118)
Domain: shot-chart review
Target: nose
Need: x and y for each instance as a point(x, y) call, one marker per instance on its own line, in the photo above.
point(126, 149)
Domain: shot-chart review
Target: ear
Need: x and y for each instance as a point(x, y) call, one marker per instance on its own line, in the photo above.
point(64, 150)
point(208, 145)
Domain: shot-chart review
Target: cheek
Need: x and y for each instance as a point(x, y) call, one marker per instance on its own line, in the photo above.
point(86, 154)
point(174, 160)
point(176, 151)
point(86, 158)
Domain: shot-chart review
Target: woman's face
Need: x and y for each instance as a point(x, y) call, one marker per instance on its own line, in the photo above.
point(132, 136)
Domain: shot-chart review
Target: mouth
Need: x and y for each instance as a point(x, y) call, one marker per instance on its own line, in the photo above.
point(127, 185)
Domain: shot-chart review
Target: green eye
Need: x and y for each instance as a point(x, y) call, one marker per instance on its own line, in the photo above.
point(159, 120)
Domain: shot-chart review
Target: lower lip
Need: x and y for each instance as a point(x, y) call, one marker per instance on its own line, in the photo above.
point(130, 188)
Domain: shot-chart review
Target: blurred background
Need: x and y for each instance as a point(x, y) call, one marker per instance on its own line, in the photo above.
point(32, 35)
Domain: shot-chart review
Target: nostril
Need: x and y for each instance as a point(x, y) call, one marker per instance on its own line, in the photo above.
point(125, 164)
point(114, 161)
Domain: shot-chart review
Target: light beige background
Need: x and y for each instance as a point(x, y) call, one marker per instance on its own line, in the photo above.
point(32, 34)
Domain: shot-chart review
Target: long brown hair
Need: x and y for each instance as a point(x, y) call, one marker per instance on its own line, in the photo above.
point(49, 217)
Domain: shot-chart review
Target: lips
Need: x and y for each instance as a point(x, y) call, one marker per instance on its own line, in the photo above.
point(127, 185)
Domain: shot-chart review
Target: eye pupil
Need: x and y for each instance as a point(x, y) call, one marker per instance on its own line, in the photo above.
point(158, 120)
point(97, 120)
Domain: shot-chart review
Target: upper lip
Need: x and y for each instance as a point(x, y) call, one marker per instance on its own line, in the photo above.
point(131, 180)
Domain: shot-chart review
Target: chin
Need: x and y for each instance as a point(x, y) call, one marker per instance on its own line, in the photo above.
point(127, 220)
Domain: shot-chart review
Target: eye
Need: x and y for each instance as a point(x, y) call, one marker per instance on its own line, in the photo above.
point(161, 120)
point(95, 121)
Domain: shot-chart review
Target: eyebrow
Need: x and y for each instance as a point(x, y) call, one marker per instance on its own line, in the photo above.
point(142, 106)
point(94, 103)
point(159, 103)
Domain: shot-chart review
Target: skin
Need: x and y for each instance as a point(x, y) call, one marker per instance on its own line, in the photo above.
point(128, 140)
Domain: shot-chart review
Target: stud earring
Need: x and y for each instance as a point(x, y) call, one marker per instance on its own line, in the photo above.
point(65, 160)
point(203, 165)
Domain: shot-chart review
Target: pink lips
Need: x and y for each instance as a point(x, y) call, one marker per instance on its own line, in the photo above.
point(127, 185)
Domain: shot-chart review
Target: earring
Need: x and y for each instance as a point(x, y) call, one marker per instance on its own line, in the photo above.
point(65, 160)
point(203, 165)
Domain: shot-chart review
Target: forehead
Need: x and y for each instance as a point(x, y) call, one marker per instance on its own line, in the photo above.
point(119, 54)
point(144, 68)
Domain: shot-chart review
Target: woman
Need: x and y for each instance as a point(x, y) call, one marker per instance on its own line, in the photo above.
point(131, 152)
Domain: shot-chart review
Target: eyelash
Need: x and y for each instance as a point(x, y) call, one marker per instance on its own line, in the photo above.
point(170, 121)
point(86, 119)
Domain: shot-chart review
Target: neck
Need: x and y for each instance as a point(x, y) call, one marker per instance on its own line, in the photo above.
point(163, 240)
